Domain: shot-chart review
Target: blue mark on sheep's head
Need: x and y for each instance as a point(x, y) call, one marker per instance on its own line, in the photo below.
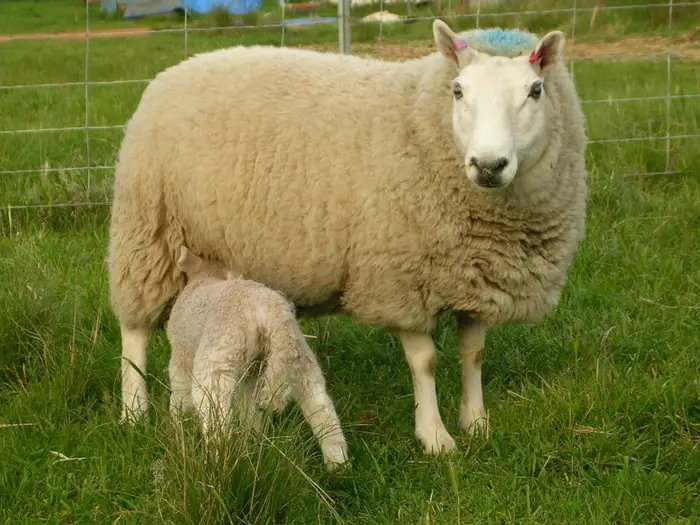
point(500, 111)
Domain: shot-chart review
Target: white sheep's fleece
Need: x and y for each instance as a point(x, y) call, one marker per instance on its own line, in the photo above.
point(335, 178)
point(339, 181)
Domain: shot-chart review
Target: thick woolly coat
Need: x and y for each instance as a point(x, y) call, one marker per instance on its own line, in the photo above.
point(236, 326)
point(336, 180)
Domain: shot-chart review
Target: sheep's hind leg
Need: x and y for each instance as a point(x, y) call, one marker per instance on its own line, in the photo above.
point(133, 368)
point(419, 350)
point(141, 283)
point(472, 415)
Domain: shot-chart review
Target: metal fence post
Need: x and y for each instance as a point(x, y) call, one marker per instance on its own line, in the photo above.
point(344, 26)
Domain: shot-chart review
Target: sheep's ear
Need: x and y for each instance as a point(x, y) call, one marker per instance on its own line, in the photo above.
point(450, 45)
point(188, 262)
point(547, 52)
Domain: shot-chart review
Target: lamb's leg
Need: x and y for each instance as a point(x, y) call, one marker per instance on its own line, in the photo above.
point(292, 371)
point(420, 354)
point(319, 412)
point(213, 384)
point(180, 388)
point(472, 415)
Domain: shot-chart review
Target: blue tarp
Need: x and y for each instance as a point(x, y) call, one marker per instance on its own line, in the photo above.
point(139, 8)
point(235, 7)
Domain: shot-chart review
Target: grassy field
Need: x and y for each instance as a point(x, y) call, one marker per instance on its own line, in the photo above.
point(595, 412)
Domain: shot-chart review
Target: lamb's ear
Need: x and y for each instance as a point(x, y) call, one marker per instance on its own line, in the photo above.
point(547, 52)
point(188, 262)
point(450, 45)
point(232, 275)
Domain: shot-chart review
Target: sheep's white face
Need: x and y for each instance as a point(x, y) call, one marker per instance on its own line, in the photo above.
point(499, 118)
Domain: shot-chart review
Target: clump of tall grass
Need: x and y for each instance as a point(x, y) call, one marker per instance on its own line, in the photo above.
point(248, 477)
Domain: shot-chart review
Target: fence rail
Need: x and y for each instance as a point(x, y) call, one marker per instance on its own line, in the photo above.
point(345, 23)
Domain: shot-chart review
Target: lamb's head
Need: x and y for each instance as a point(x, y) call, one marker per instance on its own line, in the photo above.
point(500, 112)
point(196, 267)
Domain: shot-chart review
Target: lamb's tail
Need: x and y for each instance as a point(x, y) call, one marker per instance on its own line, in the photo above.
point(278, 347)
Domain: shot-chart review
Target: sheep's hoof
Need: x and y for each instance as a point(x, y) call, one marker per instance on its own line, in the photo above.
point(476, 424)
point(441, 443)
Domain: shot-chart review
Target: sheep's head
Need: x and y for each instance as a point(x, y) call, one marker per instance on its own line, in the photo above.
point(500, 115)
point(197, 268)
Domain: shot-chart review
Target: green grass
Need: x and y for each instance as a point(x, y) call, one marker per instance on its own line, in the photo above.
point(595, 412)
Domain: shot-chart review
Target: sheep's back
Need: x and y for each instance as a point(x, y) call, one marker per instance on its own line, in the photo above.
point(272, 157)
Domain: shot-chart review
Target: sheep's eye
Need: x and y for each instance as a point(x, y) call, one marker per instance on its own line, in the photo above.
point(457, 90)
point(535, 90)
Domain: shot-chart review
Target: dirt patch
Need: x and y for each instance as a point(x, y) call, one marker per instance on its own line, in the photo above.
point(685, 46)
point(78, 35)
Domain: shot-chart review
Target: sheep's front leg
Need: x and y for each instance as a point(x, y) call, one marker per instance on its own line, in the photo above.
point(420, 354)
point(472, 415)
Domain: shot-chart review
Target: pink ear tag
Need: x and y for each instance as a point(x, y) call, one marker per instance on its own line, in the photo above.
point(460, 44)
point(535, 57)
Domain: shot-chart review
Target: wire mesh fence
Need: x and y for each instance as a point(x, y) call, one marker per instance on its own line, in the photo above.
point(65, 96)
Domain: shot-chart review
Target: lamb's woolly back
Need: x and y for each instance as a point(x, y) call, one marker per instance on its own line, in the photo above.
point(236, 345)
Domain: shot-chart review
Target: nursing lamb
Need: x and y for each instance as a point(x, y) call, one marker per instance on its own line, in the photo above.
point(237, 350)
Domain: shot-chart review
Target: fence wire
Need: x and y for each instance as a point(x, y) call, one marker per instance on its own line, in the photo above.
point(477, 15)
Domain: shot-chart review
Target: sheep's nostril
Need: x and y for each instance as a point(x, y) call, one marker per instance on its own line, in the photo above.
point(491, 168)
point(500, 165)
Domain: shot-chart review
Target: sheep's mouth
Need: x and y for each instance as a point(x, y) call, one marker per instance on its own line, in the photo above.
point(486, 181)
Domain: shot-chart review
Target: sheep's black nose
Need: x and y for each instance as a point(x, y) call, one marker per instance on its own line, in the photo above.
point(489, 171)
point(490, 168)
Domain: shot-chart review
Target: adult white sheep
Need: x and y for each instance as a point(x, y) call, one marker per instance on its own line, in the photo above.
point(388, 191)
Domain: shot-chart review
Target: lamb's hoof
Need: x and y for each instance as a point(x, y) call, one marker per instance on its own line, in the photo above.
point(333, 466)
point(335, 457)
point(476, 424)
point(439, 442)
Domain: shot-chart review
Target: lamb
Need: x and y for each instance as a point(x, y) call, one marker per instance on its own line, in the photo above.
point(221, 326)
point(388, 191)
